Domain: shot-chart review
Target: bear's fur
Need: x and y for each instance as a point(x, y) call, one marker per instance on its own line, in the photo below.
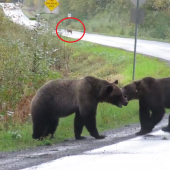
point(69, 30)
point(61, 98)
point(153, 95)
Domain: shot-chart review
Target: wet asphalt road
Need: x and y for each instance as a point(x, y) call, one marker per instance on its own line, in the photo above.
point(41, 154)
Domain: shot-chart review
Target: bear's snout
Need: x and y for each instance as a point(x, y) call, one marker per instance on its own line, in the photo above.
point(125, 94)
point(125, 100)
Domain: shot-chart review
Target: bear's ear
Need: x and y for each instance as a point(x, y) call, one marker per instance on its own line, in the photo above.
point(115, 82)
point(137, 83)
point(109, 89)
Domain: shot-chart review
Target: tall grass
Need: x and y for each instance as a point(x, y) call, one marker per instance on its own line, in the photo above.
point(27, 61)
point(116, 63)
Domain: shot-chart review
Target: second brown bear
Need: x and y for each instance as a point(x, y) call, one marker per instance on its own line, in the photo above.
point(153, 95)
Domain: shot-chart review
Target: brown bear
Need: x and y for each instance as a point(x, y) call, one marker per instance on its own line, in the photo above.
point(153, 95)
point(61, 98)
point(69, 30)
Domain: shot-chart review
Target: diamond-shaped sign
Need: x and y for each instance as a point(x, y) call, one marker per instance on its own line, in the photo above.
point(51, 4)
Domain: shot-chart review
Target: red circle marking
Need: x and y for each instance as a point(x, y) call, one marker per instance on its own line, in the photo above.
point(75, 40)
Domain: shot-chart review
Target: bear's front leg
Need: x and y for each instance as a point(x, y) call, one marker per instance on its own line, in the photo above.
point(88, 112)
point(90, 123)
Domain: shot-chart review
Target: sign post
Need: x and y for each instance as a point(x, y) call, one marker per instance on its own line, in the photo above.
point(136, 3)
point(136, 33)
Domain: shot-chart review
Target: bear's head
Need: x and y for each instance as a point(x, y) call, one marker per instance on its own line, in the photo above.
point(114, 95)
point(134, 90)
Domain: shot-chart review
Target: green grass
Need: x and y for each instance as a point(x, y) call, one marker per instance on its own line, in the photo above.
point(117, 63)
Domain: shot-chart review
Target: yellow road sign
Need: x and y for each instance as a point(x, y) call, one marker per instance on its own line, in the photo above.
point(51, 4)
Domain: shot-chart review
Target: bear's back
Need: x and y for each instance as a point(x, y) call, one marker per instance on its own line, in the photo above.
point(61, 95)
point(61, 89)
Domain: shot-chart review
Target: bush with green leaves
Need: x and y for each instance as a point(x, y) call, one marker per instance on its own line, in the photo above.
point(27, 60)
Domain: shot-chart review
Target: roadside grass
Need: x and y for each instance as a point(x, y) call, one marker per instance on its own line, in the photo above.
point(76, 60)
point(114, 63)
